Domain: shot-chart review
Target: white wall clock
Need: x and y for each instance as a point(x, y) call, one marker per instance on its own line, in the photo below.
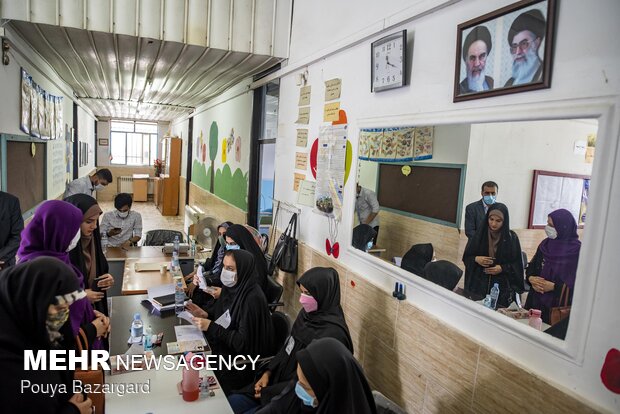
point(389, 62)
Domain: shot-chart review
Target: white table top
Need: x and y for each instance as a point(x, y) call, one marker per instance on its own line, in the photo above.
point(163, 397)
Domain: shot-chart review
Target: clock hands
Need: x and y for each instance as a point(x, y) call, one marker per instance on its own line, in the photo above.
point(387, 61)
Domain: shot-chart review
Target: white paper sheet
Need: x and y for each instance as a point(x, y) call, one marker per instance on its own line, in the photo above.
point(188, 333)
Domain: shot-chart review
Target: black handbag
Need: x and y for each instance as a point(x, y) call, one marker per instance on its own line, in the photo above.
point(284, 255)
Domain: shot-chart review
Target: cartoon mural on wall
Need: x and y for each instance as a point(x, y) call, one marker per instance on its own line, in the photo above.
point(229, 185)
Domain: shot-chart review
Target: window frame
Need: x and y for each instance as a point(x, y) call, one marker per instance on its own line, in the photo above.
point(126, 133)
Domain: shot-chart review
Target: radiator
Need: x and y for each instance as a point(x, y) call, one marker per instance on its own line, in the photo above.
point(124, 184)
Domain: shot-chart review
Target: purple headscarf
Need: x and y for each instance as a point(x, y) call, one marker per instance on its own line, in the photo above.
point(561, 254)
point(49, 233)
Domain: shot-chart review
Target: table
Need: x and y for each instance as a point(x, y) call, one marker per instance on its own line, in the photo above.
point(163, 396)
point(140, 187)
point(117, 256)
point(135, 283)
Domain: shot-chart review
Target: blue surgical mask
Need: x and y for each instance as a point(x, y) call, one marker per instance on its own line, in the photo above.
point(489, 199)
point(232, 247)
point(303, 395)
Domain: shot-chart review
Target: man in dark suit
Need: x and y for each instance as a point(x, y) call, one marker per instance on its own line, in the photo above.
point(11, 226)
point(476, 212)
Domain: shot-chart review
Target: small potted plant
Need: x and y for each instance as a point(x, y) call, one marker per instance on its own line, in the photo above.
point(159, 166)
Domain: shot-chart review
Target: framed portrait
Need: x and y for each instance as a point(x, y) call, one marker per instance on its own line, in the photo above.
point(104, 142)
point(506, 51)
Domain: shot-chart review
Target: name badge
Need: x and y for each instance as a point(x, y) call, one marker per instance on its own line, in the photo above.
point(290, 345)
point(224, 320)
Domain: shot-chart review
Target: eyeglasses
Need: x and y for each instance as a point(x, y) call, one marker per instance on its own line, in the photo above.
point(523, 45)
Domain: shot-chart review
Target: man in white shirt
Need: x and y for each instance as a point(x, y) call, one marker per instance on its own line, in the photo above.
point(367, 209)
point(89, 184)
point(122, 226)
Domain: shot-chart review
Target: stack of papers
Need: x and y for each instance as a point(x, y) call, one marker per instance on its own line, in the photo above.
point(189, 339)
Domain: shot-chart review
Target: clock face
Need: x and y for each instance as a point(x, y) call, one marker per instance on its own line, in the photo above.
point(388, 56)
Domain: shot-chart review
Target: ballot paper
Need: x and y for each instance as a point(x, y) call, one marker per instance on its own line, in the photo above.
point(186, 315)
point(224, 320)
point(202, 282)
point(188, 333)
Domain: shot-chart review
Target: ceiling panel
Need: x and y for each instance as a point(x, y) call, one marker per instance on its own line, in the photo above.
point(122, 76)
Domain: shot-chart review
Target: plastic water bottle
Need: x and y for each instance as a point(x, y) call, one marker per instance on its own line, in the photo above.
point(148, 338)
point(104, 242)
point(535, 320)
point(137, 328)
point(176, 244)
point(179, 296)
point(174, 265)
point(494, 295)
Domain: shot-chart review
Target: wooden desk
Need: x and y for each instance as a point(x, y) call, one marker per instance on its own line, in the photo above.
point(136, 283)
point(119, 254)
point(140, 187)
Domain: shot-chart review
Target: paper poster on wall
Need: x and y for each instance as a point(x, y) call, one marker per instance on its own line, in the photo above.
point(26, 85)
point(332, 89)
point(423, 146)
point(330, 111)
point(331, 158)
point(41, 113)
point(302, 138)
point(304, 115)
point(553, 192)
point(297, 179)
point(590, 149)
point(301, 160)
point(305, 196)
point(34, 111)
point(579, 148)
point(304, 95)
point(388, 144)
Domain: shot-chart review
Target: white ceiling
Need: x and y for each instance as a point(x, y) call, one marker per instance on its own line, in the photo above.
point(111, 72)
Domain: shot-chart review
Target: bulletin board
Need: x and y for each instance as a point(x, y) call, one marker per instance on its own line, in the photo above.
point(432, 192)
point(24, 170)
point(553, 190)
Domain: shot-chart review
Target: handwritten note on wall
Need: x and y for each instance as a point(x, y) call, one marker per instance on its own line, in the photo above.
point(332, 89)
point(302, 138)
point(304, 116)
point(330, 112)
point(304, 95)
point(301, 160)
point(298, 178)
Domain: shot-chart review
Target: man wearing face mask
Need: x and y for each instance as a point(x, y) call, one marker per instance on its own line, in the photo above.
point(122, 226)
point(89, 184)
point(476, 212)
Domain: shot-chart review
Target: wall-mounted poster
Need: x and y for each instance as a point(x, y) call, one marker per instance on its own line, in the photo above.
point(399, 144)
point(506, 51)
point(26, 86)
point(330, 172)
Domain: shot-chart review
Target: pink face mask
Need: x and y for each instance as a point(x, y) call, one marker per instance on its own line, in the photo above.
point(308, 302)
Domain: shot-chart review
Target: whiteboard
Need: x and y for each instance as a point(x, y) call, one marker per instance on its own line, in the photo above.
point(553, 191)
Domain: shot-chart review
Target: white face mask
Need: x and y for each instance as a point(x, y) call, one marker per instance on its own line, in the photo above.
point(552, 233)
point(74, 241)
point(99, 187)
point(228, 278)
point(123, 214)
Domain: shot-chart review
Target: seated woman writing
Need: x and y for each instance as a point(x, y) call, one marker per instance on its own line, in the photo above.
point(492, 256)
point(330, 380)
point(321, 316)
point(554, 266)
point(34, 312)
point(239, 322)
point(53, 232)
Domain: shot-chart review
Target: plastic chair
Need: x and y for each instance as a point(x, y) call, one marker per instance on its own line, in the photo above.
point(281, 326)
point(385, 405)
point(161, 237)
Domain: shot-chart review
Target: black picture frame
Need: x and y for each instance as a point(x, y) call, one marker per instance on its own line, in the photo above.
point(403, 66)
point(495, 41)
